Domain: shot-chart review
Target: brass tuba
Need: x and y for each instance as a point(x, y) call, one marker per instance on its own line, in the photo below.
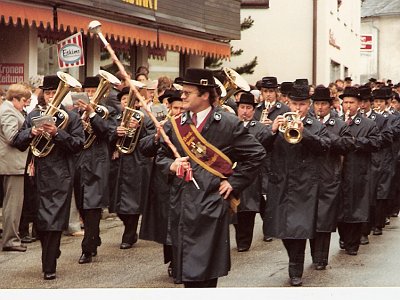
point(42, 144)
point(233, 83)
point(225, 107)
point(127, 143)
point(290, 130)
point(106, 81)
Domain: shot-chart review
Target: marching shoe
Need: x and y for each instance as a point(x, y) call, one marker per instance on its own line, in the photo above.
point(296, 281)
point(169, 270)
point(20, 248)
point(85, 258)
point(49, 276)
point(364, 240)
point(267, 239)
point(125, 246)
point(243, 249)
point(351, 252)
point(27, 239)
point(320, 266)
point(387, 221)
point(341, 244)
point(377, 231)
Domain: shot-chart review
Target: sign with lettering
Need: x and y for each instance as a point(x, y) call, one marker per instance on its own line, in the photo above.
point(150, 4)
point(366, 42)
point(70, 52)
point(11, 73)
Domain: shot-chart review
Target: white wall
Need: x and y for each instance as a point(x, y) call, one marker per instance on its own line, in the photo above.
point(282, 39)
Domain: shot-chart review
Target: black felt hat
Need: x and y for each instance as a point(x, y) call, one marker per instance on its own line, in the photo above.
point(372, 79)
point(348, 79)
point(91, 82)
point(124, 91)
point(175, 96)
point(286, 87)
point(246, 98)
point(50, 82)
point(299, 92)
point(382, 93)
point(301, 81)
point(350, 91)
point(322, 93)
point(365, 93)
point(269, 82)
point(166, 94)
point(198, 77)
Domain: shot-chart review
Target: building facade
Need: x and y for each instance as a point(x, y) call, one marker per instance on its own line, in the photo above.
point(314, 39)
point(380, 46)
point(167, 36)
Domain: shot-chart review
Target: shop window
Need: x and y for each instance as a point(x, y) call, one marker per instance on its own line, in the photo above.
point(167, 65)
point(335, 71)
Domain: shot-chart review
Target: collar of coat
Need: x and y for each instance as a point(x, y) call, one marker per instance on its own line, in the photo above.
point(215, 115)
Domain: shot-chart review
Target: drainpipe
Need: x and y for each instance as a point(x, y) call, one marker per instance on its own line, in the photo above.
point(314, 47)
point(377, 50)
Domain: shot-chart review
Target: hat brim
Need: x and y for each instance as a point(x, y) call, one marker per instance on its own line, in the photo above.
point(299, 98)
point(330, 99)
point(196, 84)
point(47, 88)
point(254, 104)
point(172, 99)
point(349, 95)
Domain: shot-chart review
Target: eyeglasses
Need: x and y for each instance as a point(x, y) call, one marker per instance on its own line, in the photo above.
point(187, 93)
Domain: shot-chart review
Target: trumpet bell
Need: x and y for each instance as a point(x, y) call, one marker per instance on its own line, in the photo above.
point(292, 135)
point(238, 80)
point(289, 129)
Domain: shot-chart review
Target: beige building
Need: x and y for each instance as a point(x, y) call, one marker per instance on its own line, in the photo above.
point(380, 48)
point(314, 39)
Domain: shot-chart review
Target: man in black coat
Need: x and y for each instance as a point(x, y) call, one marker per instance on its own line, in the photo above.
point(356, 175)
point(330, 175)
point(293, 176)
point(53, 173)
point(251, 199)
point(199, 196)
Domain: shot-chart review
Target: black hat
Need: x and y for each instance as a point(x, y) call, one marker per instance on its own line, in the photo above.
point(91, 82)
point(350, 91)
point(198, 77)
point(269, 82)
point(167, 93)
point(175, 96)
point(382, 93)
point(372, 79)
point(301, 81)
point(125, 91)
point(396, 96)
point(258, 84)
point(299, 92)
point(50, 82)
point(365, 93)
point(286, 87)
point(322, 93)
point(246, 98)
point(348, 79)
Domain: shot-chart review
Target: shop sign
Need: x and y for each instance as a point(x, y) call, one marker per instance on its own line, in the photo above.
point(11, 73)
point(366, 42)
point(150, 4)
point(70, 52)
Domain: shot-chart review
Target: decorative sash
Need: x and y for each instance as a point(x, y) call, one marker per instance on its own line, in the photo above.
point(202, 152)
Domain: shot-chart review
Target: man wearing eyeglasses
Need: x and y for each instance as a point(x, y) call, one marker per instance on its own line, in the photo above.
point(207, 142)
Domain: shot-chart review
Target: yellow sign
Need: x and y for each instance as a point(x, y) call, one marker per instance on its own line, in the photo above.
point(150, 4)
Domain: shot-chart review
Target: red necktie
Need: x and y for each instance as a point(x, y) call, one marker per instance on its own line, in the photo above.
point(194, 119)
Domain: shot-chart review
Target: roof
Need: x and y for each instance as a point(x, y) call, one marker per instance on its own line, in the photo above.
point(375, 8)
point(255, 3)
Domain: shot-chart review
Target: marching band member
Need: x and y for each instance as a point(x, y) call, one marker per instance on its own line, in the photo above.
point(53, 176)
point(199, 196)
point(292, 195)
point(330, 175)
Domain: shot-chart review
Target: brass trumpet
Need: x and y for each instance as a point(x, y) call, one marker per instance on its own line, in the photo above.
point(106, 81)
point(290, 128)
point(42, 144)
point(127, 143)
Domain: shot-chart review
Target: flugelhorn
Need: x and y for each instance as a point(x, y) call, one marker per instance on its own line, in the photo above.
point(106, 81)
point(43, 143)
point(290, 128)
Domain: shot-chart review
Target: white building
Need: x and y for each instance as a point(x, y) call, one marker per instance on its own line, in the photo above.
point(317, 40)
point(380, 25)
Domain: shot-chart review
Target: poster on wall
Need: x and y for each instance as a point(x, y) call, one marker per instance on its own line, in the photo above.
point(11, 73)
point(70, 52)
point(366, 42)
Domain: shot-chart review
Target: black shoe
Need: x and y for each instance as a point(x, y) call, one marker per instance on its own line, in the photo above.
point(364, 240)
point(26, 239)
point(351, 252)
point(94, 253)
point(267, 239)
point(387, 221)
point(49, 276)
point(243, 249)
point(169, 270)
point(296, 281)
point(320, 266)
point(20, 248)
point(85, 258)
point(395, 215)
point(341, 244)
point(377, 231)
point(176, 281)
point(125, 246)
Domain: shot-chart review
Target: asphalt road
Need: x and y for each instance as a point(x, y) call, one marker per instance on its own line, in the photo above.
point(264, 266)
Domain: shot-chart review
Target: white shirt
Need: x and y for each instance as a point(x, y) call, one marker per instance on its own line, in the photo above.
point(201, 115)
point(326, 118)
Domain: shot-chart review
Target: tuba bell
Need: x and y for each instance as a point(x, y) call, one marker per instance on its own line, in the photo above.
point(233, 83)
point(127, 143)
point(106, 81)
point(42, 144)
point(290, 129)
point(224, 107)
